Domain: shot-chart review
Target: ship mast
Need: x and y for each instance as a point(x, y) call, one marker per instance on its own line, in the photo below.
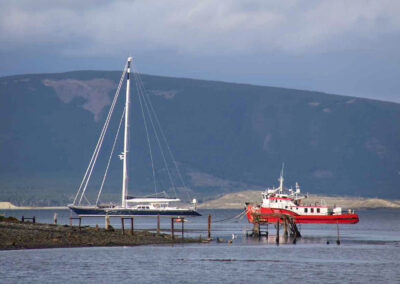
point(281, 179)
point(126, 138)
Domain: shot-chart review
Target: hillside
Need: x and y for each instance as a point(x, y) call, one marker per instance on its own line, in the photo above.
point(226, 137)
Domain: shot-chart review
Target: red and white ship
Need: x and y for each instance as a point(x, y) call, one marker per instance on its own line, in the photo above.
point(289, 201)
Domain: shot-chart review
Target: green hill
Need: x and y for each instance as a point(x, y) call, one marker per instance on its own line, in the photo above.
point(226, 137)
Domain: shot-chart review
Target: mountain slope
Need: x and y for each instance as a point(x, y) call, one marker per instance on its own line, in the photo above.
point(225, 137)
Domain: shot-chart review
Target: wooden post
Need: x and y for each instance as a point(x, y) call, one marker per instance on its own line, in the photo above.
point(277, 231)
point(79, 222)
point(172, 228)
point(132, 226)
point(158, 224)
point(209, 226)
point(55, 219)
point(34, 220)
point(22, 219)
point(107, 219)
point(70, 221)
point(285, 228)
point(338, 237)
point(122, 225)
point(183, 221)
point(256, 229)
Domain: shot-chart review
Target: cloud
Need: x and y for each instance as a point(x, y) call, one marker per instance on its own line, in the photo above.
point(77, 28)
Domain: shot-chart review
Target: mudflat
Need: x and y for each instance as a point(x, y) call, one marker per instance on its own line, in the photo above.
point(26, 235)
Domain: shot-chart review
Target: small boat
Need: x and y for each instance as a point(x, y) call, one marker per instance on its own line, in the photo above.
point(130, 206)
point(290, 202)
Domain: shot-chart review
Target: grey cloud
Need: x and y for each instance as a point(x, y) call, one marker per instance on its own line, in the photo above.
point(197, 27)
point(337, 46)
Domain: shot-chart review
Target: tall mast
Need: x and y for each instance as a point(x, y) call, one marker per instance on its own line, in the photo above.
point(281, 179)
point(126, 138)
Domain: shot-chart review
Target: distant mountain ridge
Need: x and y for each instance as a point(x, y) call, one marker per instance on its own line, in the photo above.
point(226, 137)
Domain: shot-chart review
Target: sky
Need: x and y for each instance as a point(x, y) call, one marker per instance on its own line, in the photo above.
point(335, 46)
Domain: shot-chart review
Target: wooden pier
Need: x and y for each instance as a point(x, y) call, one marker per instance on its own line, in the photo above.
point(287, 221)
point(173, 229)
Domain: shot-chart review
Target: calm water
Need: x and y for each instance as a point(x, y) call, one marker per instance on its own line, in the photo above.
point(369, 252)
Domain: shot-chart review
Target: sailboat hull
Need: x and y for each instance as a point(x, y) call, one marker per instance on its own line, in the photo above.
point(117, 211)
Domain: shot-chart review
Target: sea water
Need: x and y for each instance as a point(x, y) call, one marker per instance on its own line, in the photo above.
point(369, 253)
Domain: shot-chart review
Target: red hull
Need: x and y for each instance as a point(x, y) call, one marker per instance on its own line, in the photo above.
point(348, 218)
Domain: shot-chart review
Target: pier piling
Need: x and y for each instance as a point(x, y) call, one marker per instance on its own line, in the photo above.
point(23, 218)
point(256, 229)
point(183, 231)
point(172, 228)
point(79, 221)
point(158, 224)
point(132, 226)
point(123, 225)
point(285, 228)
point(55, 219)
point(277, 231)
point(338, 236)
point(209, 226)
point(107, 221)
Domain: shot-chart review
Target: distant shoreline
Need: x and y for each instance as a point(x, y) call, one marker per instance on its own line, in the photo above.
point(35, 208)
point(237, 201)
point(5, 205)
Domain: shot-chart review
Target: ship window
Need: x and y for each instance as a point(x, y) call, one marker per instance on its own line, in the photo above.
point(305, 210)
point(297, 208)
point(312, 210)
point(318, 210)
point(285, 206)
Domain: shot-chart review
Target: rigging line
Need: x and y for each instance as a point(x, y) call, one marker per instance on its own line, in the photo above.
point(104, 131)
point(164, 138)
point(87, 200)
point(237, 216)
point(162, 133)
point(97, 145)
point(156, 135)
point(148, 138)
point(109, 159)
point(96, 149)
point(100, 143)
point(159, 144)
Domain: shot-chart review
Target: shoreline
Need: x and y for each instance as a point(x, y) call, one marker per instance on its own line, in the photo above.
point(35, 208)
point(237, 200)
point(16, 235)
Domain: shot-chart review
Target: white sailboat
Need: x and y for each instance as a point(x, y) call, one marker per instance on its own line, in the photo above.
point(131, 206)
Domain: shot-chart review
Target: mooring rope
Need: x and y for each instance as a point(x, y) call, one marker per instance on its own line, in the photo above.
point(237, 216)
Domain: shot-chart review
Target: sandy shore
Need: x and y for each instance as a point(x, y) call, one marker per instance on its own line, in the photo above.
point(17, 235)
point(10, 206)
